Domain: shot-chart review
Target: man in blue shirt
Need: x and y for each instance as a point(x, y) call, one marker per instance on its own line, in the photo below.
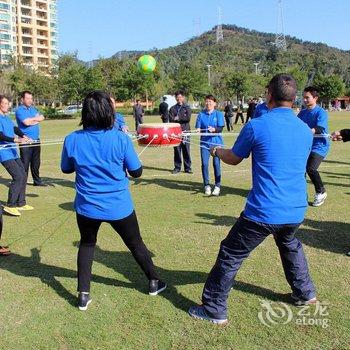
point(317, 120)
point(28, 120)
point(280, 145)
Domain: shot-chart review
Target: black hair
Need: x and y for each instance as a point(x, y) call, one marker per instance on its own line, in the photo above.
point(282, 88)
point(23, 93)
point(98, 111)
point(179, 92)
point(210, 97)
point(314, 91)
point(2, 97)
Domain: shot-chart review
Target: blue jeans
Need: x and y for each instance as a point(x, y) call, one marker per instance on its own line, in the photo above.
point(244, 237)
point(205, 155)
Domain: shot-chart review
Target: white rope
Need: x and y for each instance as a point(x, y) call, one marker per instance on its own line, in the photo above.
point(154, 137)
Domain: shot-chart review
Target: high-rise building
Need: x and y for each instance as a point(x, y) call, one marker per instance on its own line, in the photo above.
point(28, 32)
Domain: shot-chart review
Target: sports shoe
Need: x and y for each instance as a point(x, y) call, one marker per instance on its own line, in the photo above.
point(216, 191)
point(207, 190)
point(199, 313)
point(189, 171)
point(156, 287)
point(12, 211)
point(25, 207)
point(302, 302)
point(175, 171)
point(83, 301)
point(319, 199)
point(348, 253)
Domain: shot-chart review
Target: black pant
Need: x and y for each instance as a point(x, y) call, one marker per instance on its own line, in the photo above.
point(138, 121)
point(312, 165)
point(128, 229)
point(184, 148)
point(17, 188)
point(229, 124)
point(31, 156)
point(249, 115)
point(242, 239)
point(239, 115)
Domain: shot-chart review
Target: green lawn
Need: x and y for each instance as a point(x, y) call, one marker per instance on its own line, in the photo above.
point(183, 229)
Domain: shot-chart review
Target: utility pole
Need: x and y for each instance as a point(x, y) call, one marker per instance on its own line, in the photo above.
point(219, 32)
point(209, 66)
point(280, 40)
point(256, 67)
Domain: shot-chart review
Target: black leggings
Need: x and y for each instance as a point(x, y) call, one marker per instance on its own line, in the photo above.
point(128, 229)
point(312, 165)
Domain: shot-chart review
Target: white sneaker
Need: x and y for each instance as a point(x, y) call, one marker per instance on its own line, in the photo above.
point(216, 191)
point(207, 190)
point(319, 199)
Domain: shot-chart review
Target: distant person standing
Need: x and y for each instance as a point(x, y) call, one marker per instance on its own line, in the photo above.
point(317, 120)
point(28, 120)
point(164, 110)
point(181, 113)
point(251, 109)
point(239, 113)
point(138, 113)
point(229, 115)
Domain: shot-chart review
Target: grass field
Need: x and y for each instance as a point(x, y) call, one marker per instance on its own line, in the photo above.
point(183, 230)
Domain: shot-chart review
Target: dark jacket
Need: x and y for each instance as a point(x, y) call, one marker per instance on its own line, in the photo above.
point(164, 110)
point(345, 134)
point(182, 115)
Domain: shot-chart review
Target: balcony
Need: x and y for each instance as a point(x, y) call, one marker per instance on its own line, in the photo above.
point(26, 20)
point(41, 23)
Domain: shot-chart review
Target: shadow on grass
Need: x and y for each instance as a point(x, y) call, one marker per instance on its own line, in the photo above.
point(33, 267)
point(123, 263)
point(335, 162)
point(330, 236)
point(188, 186)
point(166, 170)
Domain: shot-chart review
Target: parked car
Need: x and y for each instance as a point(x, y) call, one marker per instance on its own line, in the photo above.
point(72, 109)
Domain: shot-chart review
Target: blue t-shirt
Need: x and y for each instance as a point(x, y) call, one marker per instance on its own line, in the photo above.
point(214, 119)
point(260, 110)
point(100, 159)
point(280, 145)
point(119, 121)
point(7, 128)
point(317, 117)
point(23, 113)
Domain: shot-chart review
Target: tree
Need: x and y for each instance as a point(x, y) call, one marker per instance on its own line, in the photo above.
point(71, 79)
point(238, 84)
point(330, 87)
point(192, 80)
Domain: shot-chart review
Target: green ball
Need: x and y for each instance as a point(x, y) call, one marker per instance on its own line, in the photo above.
point(147, 63)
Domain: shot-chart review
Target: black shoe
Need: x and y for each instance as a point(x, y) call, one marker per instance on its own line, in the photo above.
point(156, 286)
point(188, 171)
point(175, 171)
point(42, 184)
point(83, 301)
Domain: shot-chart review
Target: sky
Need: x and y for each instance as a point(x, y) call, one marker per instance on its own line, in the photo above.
point(100, 28)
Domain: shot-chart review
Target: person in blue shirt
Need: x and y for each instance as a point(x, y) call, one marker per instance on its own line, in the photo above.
point(279, 144)
point(317, 120)
point(210, 120)
point(102, 157)
point(260, 109)
point(120, 123)
point(9, 158)
point(28, 120)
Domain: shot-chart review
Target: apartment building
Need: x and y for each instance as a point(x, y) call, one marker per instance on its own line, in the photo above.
point(28, 32)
